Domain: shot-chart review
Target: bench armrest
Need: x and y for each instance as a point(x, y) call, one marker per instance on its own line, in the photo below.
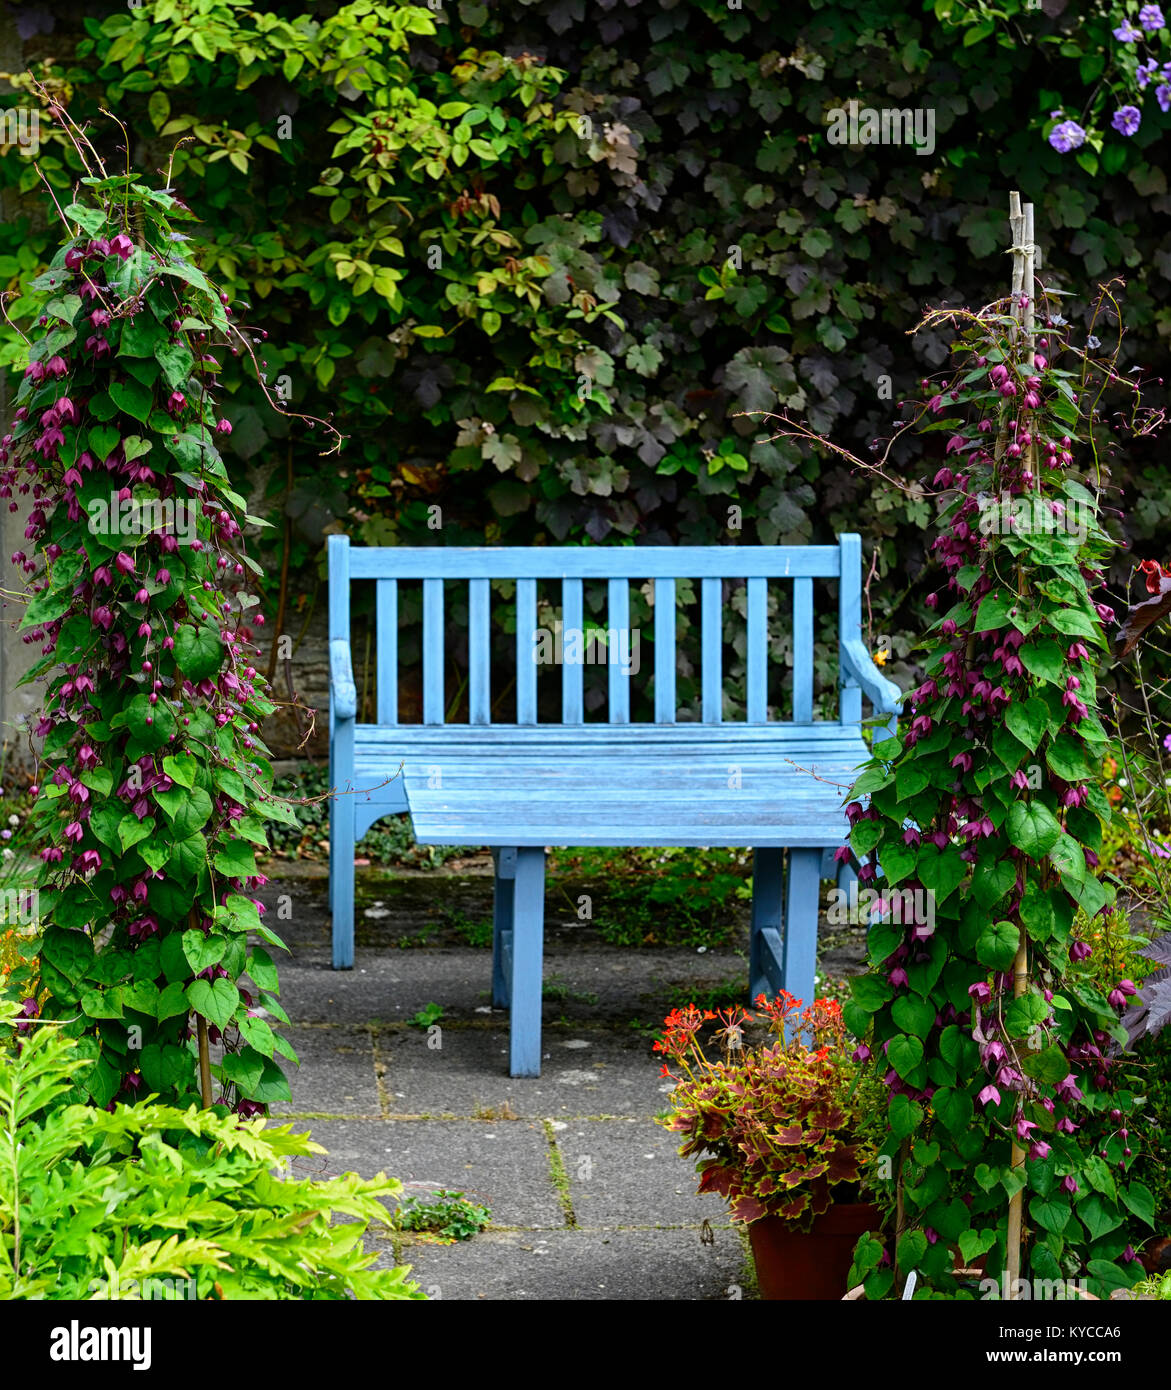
point(884, 695)
point(341, 680)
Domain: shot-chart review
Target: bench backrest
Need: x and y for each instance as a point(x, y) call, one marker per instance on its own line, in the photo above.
point(711, 565)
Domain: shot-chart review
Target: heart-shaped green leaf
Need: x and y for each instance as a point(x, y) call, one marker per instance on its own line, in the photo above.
point(997, 945)
point(905, 1054)
point(134, 446)
point(217, 1001)
point(187, 808)
point(198, 651)
point(915, 1016)
point(1033, 828)
point(131, 830)
point(132, 398)
point(1028, 721)
point(236, 859)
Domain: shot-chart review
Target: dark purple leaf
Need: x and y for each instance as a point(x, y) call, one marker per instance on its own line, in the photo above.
point(1159, 950)
point(1140, 617)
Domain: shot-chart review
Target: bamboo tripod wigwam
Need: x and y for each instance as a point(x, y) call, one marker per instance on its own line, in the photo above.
point(1023, 267)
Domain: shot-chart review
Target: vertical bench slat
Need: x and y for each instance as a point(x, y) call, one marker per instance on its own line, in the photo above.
point(339, 587)
point(802, 650)
point(433, 700)
point(618, 622)
point(572, 672)
point(386, 594)
point(526, 651)
point(711, 619)
point(757, 651)
point(850, 622)
point(665, 651)
point(479, 653)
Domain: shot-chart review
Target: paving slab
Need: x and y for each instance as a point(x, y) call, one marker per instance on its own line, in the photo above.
point(504, 1165)
point(336, 1075)
point(583, 1072)
point(593, 984)
point(583, 1266)
point(628, 1172)
point(385, 986)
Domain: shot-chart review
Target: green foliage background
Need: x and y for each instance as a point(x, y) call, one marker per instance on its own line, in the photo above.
point(531, 321)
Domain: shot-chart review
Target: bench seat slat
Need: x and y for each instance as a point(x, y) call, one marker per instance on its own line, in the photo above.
point(550, 735)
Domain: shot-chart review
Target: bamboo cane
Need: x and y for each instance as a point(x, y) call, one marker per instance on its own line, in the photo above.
point(1021, 221)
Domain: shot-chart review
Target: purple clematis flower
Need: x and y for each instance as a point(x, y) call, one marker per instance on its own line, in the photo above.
point(1151, 18)
point(1126, 120)
point(1066, 136)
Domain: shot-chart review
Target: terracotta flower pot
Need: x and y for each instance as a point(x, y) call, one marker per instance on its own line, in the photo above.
point(814, 1264)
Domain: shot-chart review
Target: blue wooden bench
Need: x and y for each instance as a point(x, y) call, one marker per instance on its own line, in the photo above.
point(519, 787)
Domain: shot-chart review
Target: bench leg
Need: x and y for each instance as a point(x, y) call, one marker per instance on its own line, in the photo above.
point(341, 846)
point(764, 949)
point(502, 926)
point(528, 931)
point(800, 941)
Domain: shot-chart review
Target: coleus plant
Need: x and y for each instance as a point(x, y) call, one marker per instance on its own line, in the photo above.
point(777, 1128)
point(1003, 1090)
point(154, 787)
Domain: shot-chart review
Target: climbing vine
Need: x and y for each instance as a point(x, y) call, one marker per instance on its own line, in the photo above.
point(1008, 1106)
point(153, 785)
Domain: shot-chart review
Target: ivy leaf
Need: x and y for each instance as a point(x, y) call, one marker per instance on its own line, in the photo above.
point(1036, 912)
point(272, 1087)
point(1012, 1180)
point(105, 822)
point(172, 1001)
point(140, 336)
point(1045, 659)
point(1065, 756)
point(1033, 828)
